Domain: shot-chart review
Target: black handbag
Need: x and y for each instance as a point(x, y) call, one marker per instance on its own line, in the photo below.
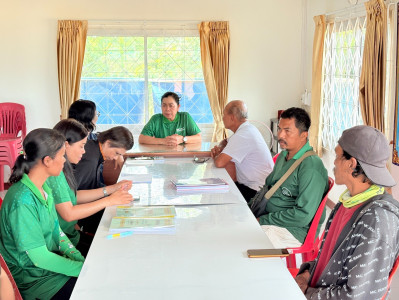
point(258, 203)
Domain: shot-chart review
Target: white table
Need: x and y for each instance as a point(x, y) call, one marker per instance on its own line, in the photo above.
point(205, 259)
point(162, 192)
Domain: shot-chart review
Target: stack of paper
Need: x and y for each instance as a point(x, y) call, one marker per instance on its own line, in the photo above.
point(204, 184)
point(144, 160)
point(144, 219)
point(146, 211)
point(136, 178)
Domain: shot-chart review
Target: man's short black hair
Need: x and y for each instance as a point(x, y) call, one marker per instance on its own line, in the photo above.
point(302, 119)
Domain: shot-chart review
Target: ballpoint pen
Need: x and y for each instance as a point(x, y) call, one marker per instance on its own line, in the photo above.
point(119, 235)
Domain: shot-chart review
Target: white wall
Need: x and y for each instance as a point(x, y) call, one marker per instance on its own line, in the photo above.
point(265, 61)
point(318, 7)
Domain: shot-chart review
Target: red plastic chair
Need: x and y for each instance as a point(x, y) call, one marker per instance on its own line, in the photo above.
point(12, 133)
point(310, 247)
point(12, 120)
point(275, 157)
point(3, 264)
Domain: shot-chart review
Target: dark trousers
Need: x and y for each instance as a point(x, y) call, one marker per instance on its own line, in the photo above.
point(84, 243)
point(90, 223)
point(66, 291)
point(246, 192)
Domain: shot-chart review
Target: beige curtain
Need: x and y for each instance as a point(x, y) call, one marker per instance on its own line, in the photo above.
point(372, 78)
point(215, 46)
point(71, 42)
point(317, 80)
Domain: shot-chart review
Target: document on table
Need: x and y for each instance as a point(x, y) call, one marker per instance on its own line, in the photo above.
point(146, 211)
point(138, 178)
point(143, 225)
point(206, 184)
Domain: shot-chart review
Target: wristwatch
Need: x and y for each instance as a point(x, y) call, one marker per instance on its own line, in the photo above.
point(184, 139)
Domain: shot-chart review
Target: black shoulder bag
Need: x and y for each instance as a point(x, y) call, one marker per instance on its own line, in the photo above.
point(258, 203)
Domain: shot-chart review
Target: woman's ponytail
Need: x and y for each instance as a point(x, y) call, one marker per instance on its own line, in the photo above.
point(38, 144)
point(20, 168)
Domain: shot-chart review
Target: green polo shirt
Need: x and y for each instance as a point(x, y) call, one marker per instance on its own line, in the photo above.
point(63, 193)
point(160, 127)
point(295, 202)
point(27, 221)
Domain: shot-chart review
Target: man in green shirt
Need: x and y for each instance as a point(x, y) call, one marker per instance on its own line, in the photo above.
point(292, 207)
point(171, 127)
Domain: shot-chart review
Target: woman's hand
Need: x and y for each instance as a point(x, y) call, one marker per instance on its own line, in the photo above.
point(119, 197)
point(118, 163)
point(125, 185)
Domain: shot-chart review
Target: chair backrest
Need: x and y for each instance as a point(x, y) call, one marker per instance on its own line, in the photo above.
point(311, 236)
point(265, 131)
point(391, 273)
point(12, 120)
point(3, 264)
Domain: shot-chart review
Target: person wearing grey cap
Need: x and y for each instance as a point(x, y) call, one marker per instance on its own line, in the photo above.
point(361, 241)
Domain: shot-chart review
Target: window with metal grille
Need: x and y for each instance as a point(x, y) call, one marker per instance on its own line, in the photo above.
point(342, 61)
point(128, 67)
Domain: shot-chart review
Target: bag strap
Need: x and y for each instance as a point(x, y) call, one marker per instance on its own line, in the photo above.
point(270, 193)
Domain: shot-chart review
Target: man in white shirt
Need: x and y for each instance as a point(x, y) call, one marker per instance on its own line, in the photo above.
point(246, 148)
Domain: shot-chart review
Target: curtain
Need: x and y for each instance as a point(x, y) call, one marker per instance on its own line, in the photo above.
point(215, 46)
point(317, 80)
point(71, 42)
point(372, 78)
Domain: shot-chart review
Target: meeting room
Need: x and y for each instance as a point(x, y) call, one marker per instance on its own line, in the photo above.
point(199, 150)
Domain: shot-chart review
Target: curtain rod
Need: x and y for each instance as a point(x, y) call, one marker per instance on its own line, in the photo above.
point(357, 8)
point(350, 9)
point(143, 21)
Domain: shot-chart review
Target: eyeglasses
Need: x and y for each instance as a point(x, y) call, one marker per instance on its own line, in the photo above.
point(200, 160)
point(98, 114)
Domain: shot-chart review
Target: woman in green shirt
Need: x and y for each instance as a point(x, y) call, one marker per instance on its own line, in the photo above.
point(42, 260)
point(171, 127)
point(72, 205)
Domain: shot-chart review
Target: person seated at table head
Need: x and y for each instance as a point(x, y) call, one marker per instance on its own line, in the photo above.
point(110, 145)
point(361, 240)
point(246, 148)
point(172, 127)
point(42, 260)
point(72, 205)
point(85, 112)
point(290, 210)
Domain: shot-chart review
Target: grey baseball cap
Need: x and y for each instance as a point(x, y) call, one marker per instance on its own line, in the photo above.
point(371, 149)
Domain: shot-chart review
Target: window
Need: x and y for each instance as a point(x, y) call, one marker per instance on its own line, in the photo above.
point(343, 53)
point(128, 67)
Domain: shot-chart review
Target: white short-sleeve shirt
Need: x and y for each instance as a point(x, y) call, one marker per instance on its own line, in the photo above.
point(251, 156)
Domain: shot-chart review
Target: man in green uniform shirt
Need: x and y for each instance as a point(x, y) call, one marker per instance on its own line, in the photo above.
point(292, 207)
point(171, 127)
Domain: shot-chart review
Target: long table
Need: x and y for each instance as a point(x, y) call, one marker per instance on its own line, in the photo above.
point(204, 259)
